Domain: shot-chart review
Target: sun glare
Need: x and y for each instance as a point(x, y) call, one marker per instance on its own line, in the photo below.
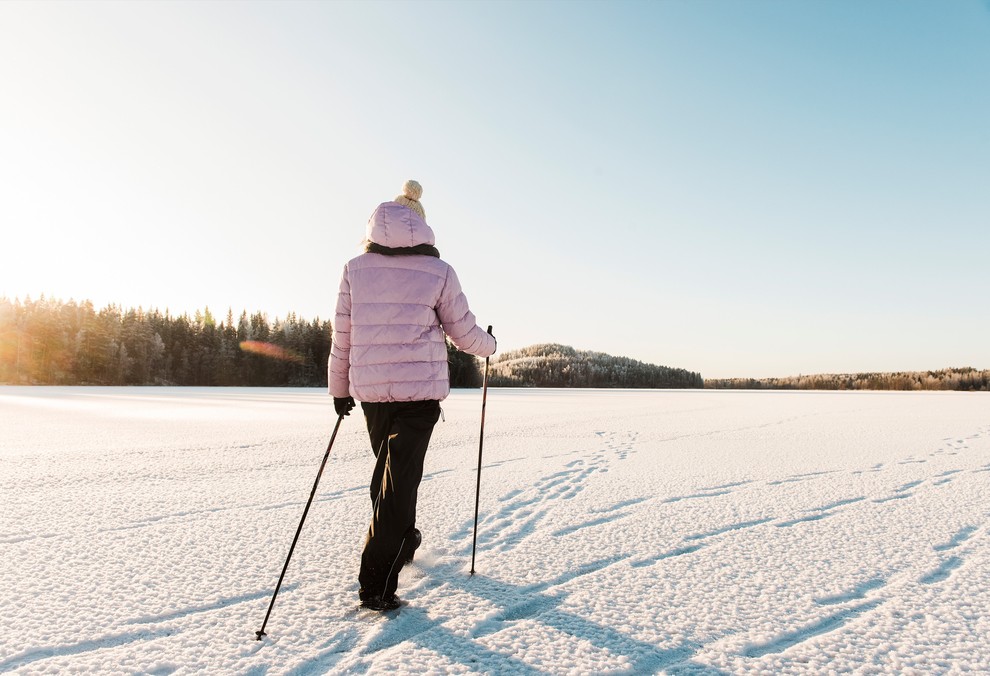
point(269, 350)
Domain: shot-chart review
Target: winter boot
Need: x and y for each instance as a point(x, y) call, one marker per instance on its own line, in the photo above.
point(381, 603)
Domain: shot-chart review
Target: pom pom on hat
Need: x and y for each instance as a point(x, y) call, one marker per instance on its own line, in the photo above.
point(412, 189)
point(411, 192)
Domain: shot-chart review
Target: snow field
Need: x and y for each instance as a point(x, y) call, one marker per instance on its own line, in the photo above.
point(143, 531)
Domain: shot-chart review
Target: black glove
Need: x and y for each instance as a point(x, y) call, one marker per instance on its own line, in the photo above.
point(343, 405)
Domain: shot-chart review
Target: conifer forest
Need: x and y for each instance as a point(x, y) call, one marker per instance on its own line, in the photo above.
point(50, 342)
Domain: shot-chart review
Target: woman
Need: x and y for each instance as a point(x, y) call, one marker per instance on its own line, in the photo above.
point(396, 302)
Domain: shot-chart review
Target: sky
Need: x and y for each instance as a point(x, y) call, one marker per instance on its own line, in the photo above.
point(738, 188)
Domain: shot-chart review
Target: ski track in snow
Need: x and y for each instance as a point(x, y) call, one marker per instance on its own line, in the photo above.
point(626, 510)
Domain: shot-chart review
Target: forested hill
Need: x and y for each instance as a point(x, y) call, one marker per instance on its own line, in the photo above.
point(966, 379)
point(552, 365)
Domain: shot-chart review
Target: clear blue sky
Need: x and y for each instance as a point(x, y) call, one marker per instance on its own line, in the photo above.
point(740, 188)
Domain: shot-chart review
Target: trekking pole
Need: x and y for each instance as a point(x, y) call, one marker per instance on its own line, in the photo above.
point(481, 445)
point(261, 632)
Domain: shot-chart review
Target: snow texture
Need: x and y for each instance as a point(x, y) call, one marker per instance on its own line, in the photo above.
point(682, 532)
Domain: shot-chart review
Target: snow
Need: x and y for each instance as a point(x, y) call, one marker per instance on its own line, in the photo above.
point(686, 532)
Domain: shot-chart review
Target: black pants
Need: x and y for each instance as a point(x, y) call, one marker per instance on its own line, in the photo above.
point(400, 434)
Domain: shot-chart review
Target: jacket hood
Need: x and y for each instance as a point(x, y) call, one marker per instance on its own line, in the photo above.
point(396, 226)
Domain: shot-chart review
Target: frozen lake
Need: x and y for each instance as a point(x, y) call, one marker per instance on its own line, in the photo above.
point(143, 531)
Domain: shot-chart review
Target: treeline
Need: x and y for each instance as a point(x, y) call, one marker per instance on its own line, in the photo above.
point(965, 379)
point(48, 342)
point(552, 365)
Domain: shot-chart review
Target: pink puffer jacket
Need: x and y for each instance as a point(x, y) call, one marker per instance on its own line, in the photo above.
point(392, 313)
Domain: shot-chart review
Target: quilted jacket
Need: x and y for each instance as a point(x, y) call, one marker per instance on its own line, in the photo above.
point(393, 310)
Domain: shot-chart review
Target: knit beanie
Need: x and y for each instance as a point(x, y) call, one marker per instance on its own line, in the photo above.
point(411, 192)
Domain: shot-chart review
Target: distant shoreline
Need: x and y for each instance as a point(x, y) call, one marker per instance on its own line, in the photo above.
point(50, 342)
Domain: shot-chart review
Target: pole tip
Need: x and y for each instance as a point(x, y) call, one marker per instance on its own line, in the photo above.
point(259, 634)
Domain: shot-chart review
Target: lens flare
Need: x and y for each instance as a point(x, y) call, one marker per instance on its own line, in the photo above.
point(269, 350)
